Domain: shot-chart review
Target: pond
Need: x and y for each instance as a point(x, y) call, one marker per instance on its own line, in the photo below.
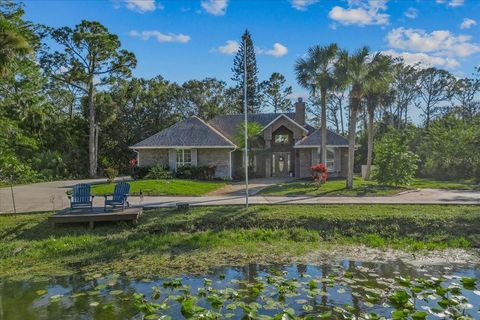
point(343, 290)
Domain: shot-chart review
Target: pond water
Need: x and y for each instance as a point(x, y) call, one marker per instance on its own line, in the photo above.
point(343, 290)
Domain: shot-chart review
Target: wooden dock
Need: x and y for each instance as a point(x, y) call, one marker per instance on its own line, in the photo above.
point(95, 215)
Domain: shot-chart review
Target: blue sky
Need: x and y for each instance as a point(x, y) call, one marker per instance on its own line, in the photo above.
point(183, 40)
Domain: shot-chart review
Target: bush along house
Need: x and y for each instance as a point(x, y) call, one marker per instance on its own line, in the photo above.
point(285, 147)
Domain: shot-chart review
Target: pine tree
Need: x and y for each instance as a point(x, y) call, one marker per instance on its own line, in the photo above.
point(252, 75)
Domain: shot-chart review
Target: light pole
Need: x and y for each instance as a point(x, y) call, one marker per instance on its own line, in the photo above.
point(245, 111)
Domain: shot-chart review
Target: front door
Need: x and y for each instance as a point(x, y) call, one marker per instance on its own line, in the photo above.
point(281, 164)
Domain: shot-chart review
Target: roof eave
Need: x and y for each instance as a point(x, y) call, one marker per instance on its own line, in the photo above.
point(290, 119)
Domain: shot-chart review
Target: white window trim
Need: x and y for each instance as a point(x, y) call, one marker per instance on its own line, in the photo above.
point(183, 162)
point(332, 161)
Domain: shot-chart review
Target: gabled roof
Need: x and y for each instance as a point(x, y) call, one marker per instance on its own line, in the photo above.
point(282, 115)
point(314, 140)
point(192, 132)
point(228, 124)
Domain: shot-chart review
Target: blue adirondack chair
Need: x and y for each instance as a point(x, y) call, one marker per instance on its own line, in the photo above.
point(81, 197)
point(119, 196)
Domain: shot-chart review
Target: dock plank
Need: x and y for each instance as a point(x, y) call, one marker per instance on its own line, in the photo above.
point(95, 215)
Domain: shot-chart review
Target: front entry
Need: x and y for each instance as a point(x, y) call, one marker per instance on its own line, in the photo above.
point(281, 164)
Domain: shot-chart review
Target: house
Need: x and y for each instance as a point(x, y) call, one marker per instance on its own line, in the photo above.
point(287, 146)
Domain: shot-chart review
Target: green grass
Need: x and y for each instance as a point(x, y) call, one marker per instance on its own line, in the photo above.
point(423, 183)
point(169, 242)
point(333, 187)
point(172, 187)
point(336, 187)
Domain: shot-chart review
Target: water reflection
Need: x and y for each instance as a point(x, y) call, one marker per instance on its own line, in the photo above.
point(110, 296)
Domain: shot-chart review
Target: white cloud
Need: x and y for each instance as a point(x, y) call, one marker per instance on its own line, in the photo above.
point(424, 59)
point(215, 7)
point(302, 5)
point(411, 13)
point(230, 47)
point(440, 42)
point(361, 12)
point(159, 36)
point(467, 23)
point(278, 50)
point(142, 5)
point(452, 3)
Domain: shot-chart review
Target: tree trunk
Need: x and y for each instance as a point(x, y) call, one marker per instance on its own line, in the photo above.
point(323, 103)
point(352, 126)
point(91, 134)
point(341, 119)
point(371, 115)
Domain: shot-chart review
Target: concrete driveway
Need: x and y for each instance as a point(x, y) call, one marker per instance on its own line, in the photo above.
point(42, 196)
point(49, 196)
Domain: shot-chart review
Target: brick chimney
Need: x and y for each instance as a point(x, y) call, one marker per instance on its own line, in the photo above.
point(300, 112)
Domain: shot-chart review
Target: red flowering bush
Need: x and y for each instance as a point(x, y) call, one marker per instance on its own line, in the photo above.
point(319, 173)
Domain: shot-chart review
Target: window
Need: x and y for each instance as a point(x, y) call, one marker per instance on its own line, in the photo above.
point(184, 157)
point(281, 139)
point(330, 159)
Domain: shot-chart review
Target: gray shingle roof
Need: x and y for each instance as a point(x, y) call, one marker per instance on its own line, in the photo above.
point(228, 124)
point(314, 139)
point(192, 132)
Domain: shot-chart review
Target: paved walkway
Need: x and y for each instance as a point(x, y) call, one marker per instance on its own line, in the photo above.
point(51, 196)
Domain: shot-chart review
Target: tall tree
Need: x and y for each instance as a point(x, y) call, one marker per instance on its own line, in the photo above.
point(275, 93)
point(317, 73)
point(335, 107)
point(91, 58)
point(464, 93)
point(205, 98)
point(353, 71)
point(405, 86)
point(435, 86)
point(375, 88)
point(13, 38)
point(252, 74)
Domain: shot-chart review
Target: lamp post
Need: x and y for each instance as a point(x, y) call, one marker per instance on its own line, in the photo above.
point(245, 111)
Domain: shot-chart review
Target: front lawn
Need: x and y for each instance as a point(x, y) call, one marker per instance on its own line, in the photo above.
point(423, 183)
point(333, 187)
point(171, 242)
point(336, 187)
point(172, 187)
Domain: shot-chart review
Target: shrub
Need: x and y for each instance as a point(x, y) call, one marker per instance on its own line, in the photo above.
point(395, 164)
point(319, 174)
point(183, 172)
point(159, 172)
point(110, 173)
point(20, 172)
point(451, 149)
point(140, 172)
point(196, 172)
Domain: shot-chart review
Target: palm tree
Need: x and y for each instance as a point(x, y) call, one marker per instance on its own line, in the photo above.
point(354, 71)
point(317, 73)
point(375, 89)
point(12, 45)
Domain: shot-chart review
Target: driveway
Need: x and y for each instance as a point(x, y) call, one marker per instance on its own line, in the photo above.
point(42, 196)
point(49, 196)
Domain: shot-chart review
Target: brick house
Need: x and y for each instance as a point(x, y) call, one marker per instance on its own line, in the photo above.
point(286, 146)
